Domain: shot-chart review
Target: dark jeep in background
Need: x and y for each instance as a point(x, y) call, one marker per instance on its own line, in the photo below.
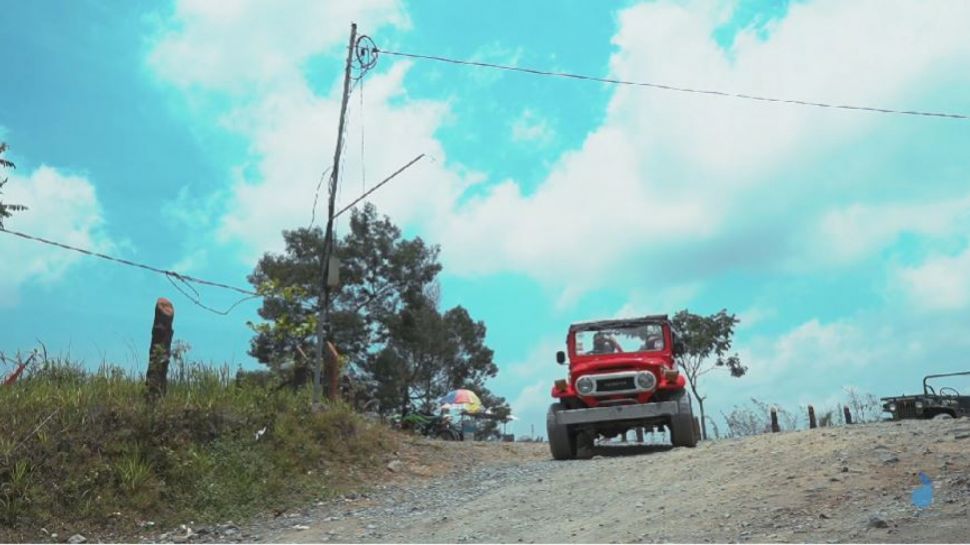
point(945, 403)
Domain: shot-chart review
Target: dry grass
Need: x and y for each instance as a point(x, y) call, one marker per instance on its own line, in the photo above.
point(84, 452)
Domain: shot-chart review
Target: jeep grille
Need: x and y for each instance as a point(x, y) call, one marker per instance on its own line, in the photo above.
point(618, 384)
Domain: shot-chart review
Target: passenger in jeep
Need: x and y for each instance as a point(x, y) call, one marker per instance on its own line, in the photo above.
point(605, 344)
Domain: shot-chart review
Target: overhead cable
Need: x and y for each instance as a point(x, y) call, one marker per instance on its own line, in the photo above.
point(170, 274)
point(666, 87)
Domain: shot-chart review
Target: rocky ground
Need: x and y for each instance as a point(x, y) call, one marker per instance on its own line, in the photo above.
point(831, 485)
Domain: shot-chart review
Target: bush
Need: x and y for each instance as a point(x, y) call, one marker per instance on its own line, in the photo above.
point(77, 448)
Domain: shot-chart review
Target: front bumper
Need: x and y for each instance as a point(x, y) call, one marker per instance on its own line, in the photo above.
point(619, 412)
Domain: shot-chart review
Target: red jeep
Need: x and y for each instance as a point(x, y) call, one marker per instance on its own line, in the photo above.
point(622, 376)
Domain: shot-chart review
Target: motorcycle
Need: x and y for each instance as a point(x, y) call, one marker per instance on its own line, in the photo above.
point(432, 425)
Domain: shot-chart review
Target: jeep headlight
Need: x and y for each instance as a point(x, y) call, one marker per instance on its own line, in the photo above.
point(585, 385)
point(918, 404)
point(891, 407)
point(646, 380)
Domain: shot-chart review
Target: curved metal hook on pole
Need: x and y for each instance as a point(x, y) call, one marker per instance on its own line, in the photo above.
point(365, 56)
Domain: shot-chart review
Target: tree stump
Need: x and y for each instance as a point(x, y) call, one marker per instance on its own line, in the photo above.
point(160, 351)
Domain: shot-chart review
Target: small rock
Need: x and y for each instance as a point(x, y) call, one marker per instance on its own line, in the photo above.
point(845, 469)
point(876, 521)
point(77, 538)
point(394, 466)
point(371, 527)
point(301, 527)
point(963, 435)
point(888, 458)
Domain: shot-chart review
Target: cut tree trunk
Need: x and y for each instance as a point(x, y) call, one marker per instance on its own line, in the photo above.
point(160, 351)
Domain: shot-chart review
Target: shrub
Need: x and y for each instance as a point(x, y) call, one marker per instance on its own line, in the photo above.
point(78, 447)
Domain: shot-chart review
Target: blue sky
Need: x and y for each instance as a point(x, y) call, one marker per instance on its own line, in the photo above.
point(188, 134)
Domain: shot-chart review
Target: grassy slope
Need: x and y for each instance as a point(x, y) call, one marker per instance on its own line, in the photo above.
point(85, 451)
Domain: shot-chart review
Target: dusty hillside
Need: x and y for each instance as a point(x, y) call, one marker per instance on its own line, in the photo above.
point(827, 485)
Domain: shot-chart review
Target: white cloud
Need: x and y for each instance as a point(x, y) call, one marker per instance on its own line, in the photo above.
point(857, 231)
point(530, 407)
point(251, 45)
point(533, 128)
point(676, 178)
point(686, 181)
point(63, 208)
point(291, 128)
point(940, 283)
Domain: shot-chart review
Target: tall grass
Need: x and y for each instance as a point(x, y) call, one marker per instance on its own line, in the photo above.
point(77, 448)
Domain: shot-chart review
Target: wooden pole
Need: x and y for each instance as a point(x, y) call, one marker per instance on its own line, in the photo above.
point(774, 421)
point(847, 414)
point(812, 422)
point(160, 351)
point(323, 319)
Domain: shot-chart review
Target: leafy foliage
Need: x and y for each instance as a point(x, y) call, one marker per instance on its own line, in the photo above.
point(5, 208)
point(704, 345)
point(385, 315)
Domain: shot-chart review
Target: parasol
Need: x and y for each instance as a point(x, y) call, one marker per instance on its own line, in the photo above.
point(464, 398)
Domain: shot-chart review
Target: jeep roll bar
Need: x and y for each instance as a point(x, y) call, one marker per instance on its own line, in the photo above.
point(623, 322)
point(927, 388)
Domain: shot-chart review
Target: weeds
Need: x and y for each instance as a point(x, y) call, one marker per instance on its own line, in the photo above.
point(77, 447)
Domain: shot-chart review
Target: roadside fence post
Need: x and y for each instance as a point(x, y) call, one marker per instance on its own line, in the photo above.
point(774, 421)
point(812, 423)
point(847, 414)
point(160, 351)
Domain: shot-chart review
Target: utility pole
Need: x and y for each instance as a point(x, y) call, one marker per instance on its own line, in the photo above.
point(323, 318)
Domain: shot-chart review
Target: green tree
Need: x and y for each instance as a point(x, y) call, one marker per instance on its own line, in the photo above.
point(704, 343)
point(5, 208)
point(385, 314)
point(434, 353)
point(379, 272)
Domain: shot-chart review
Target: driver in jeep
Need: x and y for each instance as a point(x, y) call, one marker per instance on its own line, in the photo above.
point(605, 344)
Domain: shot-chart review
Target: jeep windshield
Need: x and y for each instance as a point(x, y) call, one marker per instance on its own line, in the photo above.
point(619, 339)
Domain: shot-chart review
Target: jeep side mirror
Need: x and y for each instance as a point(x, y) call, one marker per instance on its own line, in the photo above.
point(560, 357)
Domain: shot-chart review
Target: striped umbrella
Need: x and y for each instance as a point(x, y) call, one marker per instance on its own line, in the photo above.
point(465, 398)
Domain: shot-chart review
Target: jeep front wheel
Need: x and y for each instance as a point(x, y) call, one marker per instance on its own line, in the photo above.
point(681, 427)
point(682, 430)
point(562, 443)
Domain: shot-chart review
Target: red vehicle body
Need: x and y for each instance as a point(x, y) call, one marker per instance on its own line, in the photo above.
point(627, 378)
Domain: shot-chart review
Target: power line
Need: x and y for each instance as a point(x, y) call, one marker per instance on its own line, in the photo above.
point(665, 87)
point(170, 274)
point(316, 196)
point(376, 187)
point(196, 299)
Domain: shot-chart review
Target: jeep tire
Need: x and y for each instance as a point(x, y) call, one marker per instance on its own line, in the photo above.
point(562, 442)
point(682, 432)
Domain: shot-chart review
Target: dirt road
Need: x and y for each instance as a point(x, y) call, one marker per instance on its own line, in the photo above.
point(827, 485)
